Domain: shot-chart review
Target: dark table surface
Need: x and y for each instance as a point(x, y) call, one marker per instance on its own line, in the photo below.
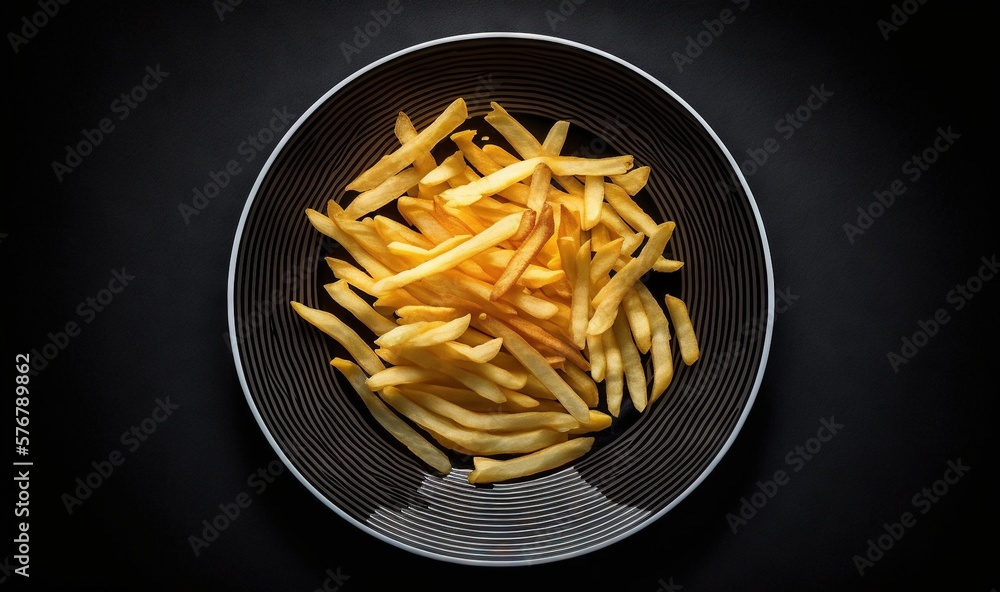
point(886, 326)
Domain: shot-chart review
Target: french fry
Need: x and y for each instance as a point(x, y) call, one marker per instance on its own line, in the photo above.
point(686, 340)
point(405, 132)
point(580, 303)
point(480, 385)
point(663, 363)
point(536, 364)
point(497, 422)
point(542, 176)
point(409, 437)
point(635, 376)
point(488, 470)
point(610, 296)
point(385, 193)
point(477, 441)
point(614, 373)
point(400, 374)
point(424, 312)
point(598, 421)
point(633, 181)
point(500, 231)
point(449, 168)
point(343, 334)
point(341, 293)
point(509, 291)
point(389, 165)
point(637, 320)
point(630, 211)
point(524, 254)
point(593, 201)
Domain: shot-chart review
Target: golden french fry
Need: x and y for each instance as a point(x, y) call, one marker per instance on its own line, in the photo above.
point(515, 133)
point(604, 261)
point(449, 168)
point(580, 303)
point(635, 376)
point(401, 375)
point(593, 200)
point(610, 296)
point(508, 292)
point(598, 362)
point(542, 176)
point(614, 373)
point(628, 209)
point(632, 181)
point(663, 362)
point(484, 387)
point(343, 334)
point(598, 421)
point(424, 312)
point(488, 470)
point(686, 340)
point(522, 169)
point(500, 231)
point(417, 444)
point(536, 334)
point(582, 383)
point(350, 274)
point(324, 224)
point(479, 354)
point(497, 422)
point(431, 333)
point(637, 320)
point(386, 192)
point(525, 253)
point(477, 441)
point(405, 132)
point(536, 364)
point(389, 165)
point(341, 293)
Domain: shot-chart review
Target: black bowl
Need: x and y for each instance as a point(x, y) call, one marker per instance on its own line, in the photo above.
point(639, 469)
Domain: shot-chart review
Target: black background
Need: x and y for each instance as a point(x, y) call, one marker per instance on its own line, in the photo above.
point(844, 306)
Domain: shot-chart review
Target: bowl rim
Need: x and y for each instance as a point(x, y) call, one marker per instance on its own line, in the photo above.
point(279, 146)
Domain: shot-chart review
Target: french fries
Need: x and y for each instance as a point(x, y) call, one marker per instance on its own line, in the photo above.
point(506, 316)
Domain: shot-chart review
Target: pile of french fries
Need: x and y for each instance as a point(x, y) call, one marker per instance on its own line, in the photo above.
point(511, 293)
